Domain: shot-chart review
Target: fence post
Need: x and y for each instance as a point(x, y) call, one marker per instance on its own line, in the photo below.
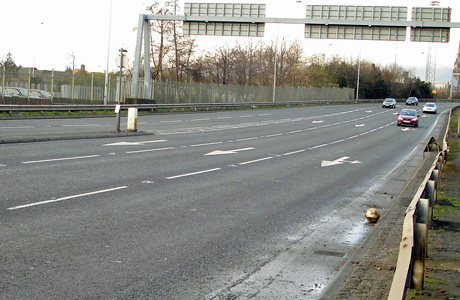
point(3, 82)
point(108, 91)
point(73, 86)
point(52, 86)
point(28, 87)
point(92, 88)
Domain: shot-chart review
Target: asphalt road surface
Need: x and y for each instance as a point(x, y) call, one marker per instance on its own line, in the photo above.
point(260, 204)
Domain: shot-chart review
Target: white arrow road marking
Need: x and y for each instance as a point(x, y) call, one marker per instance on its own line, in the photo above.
point(134, 143)
point(224, 152)
point(338, 161)
point(360, 125)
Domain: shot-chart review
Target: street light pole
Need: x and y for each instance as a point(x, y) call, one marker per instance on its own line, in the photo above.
point(106, 86)
point(274, 72)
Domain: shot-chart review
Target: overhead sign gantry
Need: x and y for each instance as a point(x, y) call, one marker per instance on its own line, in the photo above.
point(383, 23)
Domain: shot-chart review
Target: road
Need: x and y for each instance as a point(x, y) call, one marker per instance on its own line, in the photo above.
point(256, 204)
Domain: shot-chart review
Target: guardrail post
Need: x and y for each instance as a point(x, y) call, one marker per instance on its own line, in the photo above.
point(418, 255)
point(430, 191)
point(424, 211)
point(435, 177)
point(440, 163)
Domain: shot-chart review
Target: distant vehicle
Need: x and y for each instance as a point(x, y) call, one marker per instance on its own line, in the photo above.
point(19, 92)
point(4, 93)
point(16, 91)
point(408, 117)
point(412, 101)
point(430, 108)
point(389, 103)
point(40, 94)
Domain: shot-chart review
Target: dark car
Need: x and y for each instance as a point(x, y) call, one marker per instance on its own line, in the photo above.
point(412, 101)
point(408, 117)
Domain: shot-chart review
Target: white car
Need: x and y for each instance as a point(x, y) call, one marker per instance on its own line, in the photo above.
point(430, 108)
point(389, 103)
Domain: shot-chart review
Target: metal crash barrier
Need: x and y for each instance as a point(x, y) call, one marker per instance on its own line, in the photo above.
point(413, 248)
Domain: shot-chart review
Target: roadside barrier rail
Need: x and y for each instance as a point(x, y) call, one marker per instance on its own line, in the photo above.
point(79, 107)
point(413, 248)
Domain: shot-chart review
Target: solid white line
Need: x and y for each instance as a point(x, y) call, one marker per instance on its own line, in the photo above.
point(319, 146)
point(247, 139)
point(338, 141)
point(207, 144)
point(254, 161)
point(177, 121)
point(296, 131)
point(20, 127)
point(352, 137)
point(150, 150)
point(193, 173)
point(273, 135)
point(59, 159)
point(205, 119)
point(67, 198)
point(83, 125)
point(294, 152)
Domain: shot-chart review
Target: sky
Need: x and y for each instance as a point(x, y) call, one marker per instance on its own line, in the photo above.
point(55, 34)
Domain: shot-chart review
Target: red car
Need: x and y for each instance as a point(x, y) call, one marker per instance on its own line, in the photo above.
point(408, 117)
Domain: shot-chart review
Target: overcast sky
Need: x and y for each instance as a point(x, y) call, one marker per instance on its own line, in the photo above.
point(47, 34)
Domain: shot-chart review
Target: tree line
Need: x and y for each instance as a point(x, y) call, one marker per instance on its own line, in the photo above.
point(177, 57)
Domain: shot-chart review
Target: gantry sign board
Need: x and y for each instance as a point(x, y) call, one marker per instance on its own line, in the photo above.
point(244, 14)
point(387, 23)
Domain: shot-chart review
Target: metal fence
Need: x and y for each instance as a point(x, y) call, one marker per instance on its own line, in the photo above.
point(88, 88)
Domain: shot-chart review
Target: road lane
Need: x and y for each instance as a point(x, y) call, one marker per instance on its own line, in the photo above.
point(171, 236)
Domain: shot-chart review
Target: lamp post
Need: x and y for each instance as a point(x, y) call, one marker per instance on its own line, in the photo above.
point(106, 86)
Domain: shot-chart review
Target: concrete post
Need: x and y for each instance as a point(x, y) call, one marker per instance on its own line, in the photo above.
point(132, 119)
